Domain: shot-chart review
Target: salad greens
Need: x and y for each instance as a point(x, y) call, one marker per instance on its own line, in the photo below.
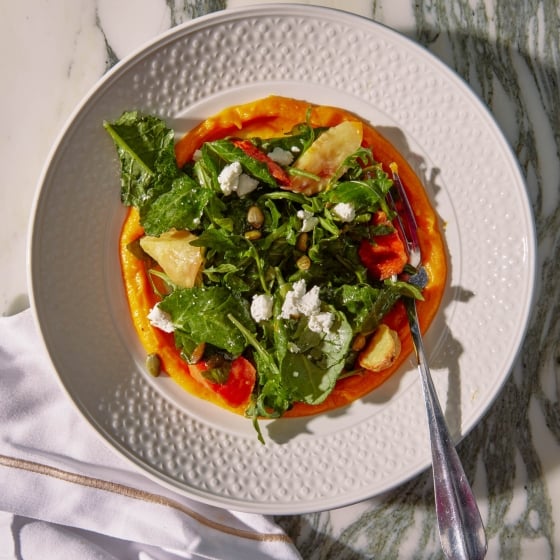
point(288, 292)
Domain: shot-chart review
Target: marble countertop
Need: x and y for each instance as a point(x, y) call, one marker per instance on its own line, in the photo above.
point(509, 53)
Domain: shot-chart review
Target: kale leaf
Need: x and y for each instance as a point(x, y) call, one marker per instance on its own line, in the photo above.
point(181, 207)
point(145, 147)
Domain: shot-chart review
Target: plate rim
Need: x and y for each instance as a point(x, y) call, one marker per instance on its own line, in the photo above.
point(269, 11)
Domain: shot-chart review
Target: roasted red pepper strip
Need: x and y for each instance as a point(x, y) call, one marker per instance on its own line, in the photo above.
point(252, 151)
point(386, 255)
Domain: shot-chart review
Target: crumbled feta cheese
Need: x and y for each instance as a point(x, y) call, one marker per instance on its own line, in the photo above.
point(160, 319)
point(310, 304)
point(299, 288)
point(245, 185)
point(321, 322)
point(281, 156)
point(229, 177)
point(232, 179)
point(290, 307)
point(299, 301)
point(308, 219)
point(197, 155)
point(261, 307)
point(295, 149)
point(345, 211)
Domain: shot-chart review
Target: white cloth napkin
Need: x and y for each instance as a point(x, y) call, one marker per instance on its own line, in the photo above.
point(69, 495)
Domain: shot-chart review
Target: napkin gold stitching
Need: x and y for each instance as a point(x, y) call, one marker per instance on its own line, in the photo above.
point(134, 493)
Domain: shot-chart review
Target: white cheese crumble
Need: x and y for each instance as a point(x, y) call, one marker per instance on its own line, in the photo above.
point(281, 156)
point(197, 155)
point(321, 322)
point(310, 304)
point(232, 179)
point(229, 177)
point(309, 221)
point(261, 307)
point(290, 307)
point(299, 301)
point(160, 319)
point(245, 185)
point(345, 211)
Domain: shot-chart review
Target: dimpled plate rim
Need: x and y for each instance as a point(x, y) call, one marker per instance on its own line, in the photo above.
point(452, 142)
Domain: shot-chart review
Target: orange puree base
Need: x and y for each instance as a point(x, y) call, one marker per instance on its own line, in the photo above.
point(268, 117)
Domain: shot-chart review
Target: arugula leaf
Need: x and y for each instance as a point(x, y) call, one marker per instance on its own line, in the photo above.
point(220, 240)
point(181, 207)
point(186, 344)
point(272, 398)
point(380, 178)
point(202, 312)
point(336, 260)
point(310, 375)
point(230, 153)
point(296, 141)
point(145, 147)
point(207, 169)
point(358, 300)
point(353, 166)
point(232, 260)
point(363, 195)
point(215, 273)
point(388, 296)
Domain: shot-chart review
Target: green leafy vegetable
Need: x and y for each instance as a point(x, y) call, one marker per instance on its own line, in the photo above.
point(310, 375)
point(181, 207)
point(201, 313)
point(299, 238)
point(145, 146)
point(230, 153)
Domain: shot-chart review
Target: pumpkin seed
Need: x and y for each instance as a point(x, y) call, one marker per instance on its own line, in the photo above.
point(153, 364)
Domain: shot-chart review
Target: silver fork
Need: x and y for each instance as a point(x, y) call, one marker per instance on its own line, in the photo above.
point(460, 525)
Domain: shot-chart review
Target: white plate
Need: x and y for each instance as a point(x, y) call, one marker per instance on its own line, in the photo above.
point(329, 460)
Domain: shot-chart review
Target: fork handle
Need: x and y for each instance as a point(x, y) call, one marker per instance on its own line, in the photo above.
point(460, 525)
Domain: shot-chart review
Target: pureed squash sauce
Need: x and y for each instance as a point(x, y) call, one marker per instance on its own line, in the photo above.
point(266, 118)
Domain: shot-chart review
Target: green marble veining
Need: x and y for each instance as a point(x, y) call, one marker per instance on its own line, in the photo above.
point(110, 56)
point(184, 10)
point(509, 53)
point(180, 11)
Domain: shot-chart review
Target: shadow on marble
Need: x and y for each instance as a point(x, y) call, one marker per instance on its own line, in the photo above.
point(383, 527)
point(312, 535)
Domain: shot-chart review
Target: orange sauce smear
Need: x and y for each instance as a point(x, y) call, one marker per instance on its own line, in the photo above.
point(270, 117)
